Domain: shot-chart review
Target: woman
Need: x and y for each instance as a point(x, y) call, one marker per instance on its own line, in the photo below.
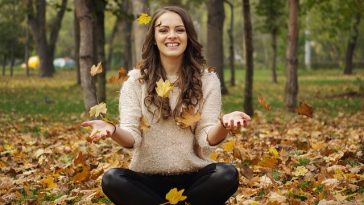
point(171, 153)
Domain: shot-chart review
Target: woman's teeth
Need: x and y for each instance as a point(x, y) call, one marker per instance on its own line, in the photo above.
point(172, 44)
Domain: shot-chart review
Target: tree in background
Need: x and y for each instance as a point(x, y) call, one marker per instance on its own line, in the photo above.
point(291, 88)
point(215, 50)
point(12, 39)
point(272, 12)
point(37, 22)
point(231, 41)
point(99, 25)
point(248, 39)
point(86, 55)
point(139, 6)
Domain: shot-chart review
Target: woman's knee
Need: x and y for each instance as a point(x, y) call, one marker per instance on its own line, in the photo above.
point(112, 177)
point(227, 173)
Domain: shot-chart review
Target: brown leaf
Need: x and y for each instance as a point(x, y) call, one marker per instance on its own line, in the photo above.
point(246, 171)
point(237, 153)
point(80, 159)
point(188, 117)
point(263, 103)
point(305, 109)
point(211, 69)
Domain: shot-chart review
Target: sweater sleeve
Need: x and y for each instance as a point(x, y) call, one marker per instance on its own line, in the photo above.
point(210, 112)
point(130, 106)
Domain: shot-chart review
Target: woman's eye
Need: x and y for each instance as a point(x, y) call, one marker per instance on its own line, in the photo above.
point(181, 30)
point(163, 31)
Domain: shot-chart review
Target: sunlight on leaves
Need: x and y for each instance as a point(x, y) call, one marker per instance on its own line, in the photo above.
point(300, 171)
point(174, 196)
point(96, 110)
point(163, 88)
point(144, 18)
point(96, 69)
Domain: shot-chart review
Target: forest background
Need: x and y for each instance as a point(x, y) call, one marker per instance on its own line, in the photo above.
point(295, 66)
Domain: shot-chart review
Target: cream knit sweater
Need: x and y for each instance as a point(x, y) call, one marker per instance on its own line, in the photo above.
point(166, 148)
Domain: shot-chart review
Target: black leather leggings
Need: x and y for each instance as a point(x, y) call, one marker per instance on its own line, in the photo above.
point(211, 185)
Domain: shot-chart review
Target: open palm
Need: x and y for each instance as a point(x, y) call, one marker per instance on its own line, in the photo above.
point(100, 129)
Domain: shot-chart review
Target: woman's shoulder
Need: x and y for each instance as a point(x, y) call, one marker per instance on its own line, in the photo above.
point(134, 74)
point(209, 76)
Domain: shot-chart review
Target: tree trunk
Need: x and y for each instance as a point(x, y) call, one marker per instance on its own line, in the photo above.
point(351, 47)
point(274, 55)
point(4, 63)
point(111, 40)
point(100, 43)
point(84, 17)
point(37, 23)
point(139, 6)
point(77, 48)
point(127, 25)
point(248, 38)
point(215, 50)
point(291, 89)
point(12, 61)
point(231, 46)
point(26, 51)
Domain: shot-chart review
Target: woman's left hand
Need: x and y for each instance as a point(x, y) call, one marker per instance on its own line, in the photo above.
point(235, 120)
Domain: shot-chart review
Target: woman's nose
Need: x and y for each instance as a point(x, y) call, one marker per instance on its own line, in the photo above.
point(172, 34)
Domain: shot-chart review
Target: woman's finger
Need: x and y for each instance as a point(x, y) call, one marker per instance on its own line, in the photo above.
point(245, 116)
point(86, 124)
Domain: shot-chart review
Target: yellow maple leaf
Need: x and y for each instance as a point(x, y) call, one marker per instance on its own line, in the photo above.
point(144, 18)
point(95, 69)
point(143, 124)
point(273, 151)
point(174, 196)
point(163, 88)
point(300, 171)
point(188, 117)
point(49, 182)
point(229, 146)
point(98, 109)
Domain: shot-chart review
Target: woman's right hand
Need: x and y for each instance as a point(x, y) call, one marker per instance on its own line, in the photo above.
point(100, 129)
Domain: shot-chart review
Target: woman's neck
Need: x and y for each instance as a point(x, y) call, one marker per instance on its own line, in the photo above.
point(172, 66)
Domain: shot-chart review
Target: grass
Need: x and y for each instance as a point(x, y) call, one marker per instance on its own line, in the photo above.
point(60, 98)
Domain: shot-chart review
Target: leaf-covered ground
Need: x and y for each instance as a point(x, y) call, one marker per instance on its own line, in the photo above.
point(282, 158)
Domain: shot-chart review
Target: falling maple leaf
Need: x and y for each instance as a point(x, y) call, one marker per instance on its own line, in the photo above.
point(122, 76)
point(188, 117)
point(143, 124)
point(174, 196)
point(263, 103)
point(96, 110)
point(96, 69)
point(144, 18)
point(163, 88)
point(211, 69)
point(305, 109)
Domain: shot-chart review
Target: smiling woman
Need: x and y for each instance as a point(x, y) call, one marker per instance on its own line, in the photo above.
point(170, 115)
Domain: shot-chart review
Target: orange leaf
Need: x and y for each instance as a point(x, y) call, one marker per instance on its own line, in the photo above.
point(49, 182)
point(83, 175)
point(188, 117)
point(267, 161)
point(79, 159)
point(263, 103)
point(305, 109)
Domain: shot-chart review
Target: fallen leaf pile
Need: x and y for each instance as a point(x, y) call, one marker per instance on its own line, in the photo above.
point(300, 161)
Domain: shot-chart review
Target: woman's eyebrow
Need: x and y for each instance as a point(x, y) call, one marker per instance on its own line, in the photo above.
point(166, 26)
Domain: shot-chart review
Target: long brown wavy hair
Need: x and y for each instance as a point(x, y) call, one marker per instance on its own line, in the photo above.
point(190, 75)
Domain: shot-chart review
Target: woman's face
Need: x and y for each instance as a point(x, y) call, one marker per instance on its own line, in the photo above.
point(170, 35)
